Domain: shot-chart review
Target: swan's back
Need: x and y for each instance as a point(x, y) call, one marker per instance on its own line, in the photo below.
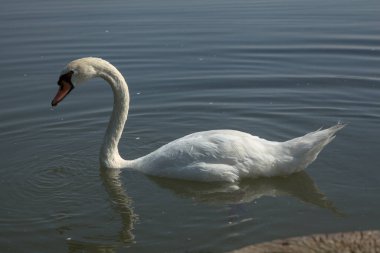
point(228, 155)
point(217, 155)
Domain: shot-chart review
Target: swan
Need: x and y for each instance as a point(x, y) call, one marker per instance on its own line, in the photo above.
point(216, 155)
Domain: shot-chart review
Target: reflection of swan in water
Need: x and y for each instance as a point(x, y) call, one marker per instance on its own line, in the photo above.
point(298, 185)
point(122, 204)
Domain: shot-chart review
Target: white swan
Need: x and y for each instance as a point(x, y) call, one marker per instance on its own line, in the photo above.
point(217, 155)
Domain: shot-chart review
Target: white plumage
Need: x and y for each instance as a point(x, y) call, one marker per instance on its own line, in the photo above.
point(216, 155)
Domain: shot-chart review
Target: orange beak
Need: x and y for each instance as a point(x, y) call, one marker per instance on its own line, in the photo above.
point(64, 89)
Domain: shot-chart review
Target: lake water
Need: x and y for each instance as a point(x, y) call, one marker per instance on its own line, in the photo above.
point(277, 69)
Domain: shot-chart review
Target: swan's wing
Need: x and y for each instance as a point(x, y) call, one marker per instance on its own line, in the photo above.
point(218, 155)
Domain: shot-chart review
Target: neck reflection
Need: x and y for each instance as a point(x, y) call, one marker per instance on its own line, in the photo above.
point(122, 204)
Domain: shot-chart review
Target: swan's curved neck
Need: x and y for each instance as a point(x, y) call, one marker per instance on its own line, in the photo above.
point(109, 153)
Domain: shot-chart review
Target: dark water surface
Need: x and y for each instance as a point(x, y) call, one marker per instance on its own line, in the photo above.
point(277, 69)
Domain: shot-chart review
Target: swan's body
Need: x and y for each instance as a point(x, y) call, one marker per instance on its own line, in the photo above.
point(217, 155)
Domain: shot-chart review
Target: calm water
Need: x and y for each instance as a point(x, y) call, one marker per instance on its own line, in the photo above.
point(277, 69)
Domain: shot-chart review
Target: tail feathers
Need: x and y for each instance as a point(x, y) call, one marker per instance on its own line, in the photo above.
point(305, 149)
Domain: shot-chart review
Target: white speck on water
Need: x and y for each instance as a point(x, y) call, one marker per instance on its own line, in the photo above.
point(137, 138)
point(233, 187)
point(138, 93)
point(106, 31)
point(68, 238)
point(246, 220)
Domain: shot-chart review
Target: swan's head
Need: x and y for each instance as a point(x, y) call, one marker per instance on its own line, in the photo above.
point(75, 73)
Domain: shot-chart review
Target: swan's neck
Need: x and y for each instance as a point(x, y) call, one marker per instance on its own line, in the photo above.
point(109, 153)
